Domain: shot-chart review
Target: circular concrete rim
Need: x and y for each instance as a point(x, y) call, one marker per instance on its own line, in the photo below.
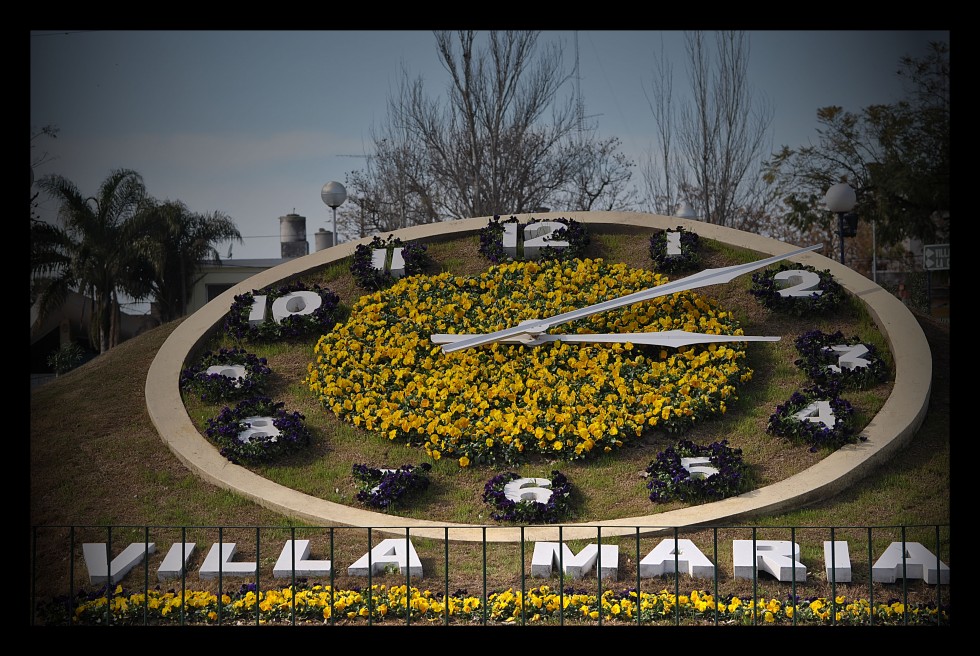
point(890, 430)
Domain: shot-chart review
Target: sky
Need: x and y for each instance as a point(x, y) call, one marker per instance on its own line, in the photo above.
point(254, 123)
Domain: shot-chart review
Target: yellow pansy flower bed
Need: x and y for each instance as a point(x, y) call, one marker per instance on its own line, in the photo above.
point(501, 402)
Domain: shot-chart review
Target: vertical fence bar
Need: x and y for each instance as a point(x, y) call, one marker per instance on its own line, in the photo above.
point(408, 581)
point(292, 578)
point(183, 577)
point(792, 541)
point(220, 578)
point(523, 589)
point(755, 580)
point(905, 582)
point(108, 584)
point(714, 559)
point(333, 591)
point(598, 571)
point(939, 580)
point(561, 578)
point(71, 573)
point(677, 583)
point(447, 574)
point(639, 592)
point(871, 579)
point(833, 577)
point(370, 577)
point(485, 598)
point(146, 574)
point(258, 568)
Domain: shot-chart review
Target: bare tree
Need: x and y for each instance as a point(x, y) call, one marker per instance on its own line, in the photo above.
point(502, 141)
point(722, 135)
point(663, 171)
point(601, 178)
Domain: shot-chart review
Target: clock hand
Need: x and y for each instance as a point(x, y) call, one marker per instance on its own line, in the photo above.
point(537, 327)
point(663, 338)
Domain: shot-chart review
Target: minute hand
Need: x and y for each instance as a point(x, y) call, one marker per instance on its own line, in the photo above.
point(702, 278)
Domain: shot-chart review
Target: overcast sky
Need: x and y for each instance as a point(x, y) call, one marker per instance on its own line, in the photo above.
point(254, 123)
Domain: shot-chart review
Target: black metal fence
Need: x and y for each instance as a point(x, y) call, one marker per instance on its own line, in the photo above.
point(550, 575)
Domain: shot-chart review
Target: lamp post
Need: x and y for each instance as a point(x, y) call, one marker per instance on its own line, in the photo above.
point(685, 211)
point(334, 195)
point(841, 199)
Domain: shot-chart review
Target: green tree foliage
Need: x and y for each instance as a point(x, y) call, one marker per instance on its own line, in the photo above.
point(176, 242)
point(37, 159)
point(92, 250)
point(120, 241)
point(895, 156)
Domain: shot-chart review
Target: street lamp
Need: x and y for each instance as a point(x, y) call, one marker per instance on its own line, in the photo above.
point(841, 199)
point(334, 195)
point(685, 211)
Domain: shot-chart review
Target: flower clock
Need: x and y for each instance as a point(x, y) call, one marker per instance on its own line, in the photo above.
point(225, 374)
point(797, 289)
point(694, 473)
point(830, 357)
point(675, 250)
point(528, 500)
point(292, 311)
point(817, 416)
point(257, 430)
point(382, 488)
point(502, 402)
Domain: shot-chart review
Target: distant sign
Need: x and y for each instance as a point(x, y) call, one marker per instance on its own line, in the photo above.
point(935, 257)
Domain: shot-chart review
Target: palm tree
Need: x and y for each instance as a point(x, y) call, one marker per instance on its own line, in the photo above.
point(92, 251)
point(176, 242)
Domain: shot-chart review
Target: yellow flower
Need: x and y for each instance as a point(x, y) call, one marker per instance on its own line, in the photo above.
point(383, 374)
point(464, 462)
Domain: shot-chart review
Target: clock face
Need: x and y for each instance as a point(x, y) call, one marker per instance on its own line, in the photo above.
point(500, 403)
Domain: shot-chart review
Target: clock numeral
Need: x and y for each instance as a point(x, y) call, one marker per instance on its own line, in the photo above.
point(802, 283)
point(851, 356)
point(259, 427)
point(818, 412)
point(235, 372)
point(528, 489)
point(533, 237)
point(291, 304)
point(699, 466)
point(395, 264)
point(673, 243)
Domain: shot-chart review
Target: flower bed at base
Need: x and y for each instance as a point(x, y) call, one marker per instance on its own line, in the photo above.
point(317, 604)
